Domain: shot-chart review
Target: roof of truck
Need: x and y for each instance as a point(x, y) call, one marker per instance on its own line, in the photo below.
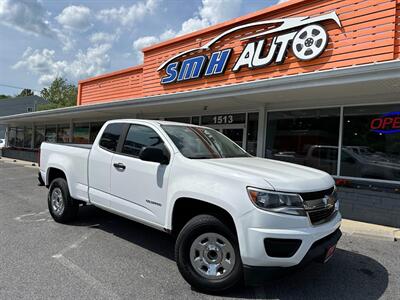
point(157, 122)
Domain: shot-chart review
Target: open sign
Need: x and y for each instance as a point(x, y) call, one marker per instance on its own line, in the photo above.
point(387, 123)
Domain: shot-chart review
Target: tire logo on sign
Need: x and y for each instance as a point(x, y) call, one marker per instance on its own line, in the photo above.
point(306, 39)
point(310, 42)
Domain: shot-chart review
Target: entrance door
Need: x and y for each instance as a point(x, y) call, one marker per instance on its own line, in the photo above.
point(232, 131)
point(235, 134)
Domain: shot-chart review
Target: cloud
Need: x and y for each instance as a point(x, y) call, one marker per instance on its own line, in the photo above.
point(219, 11)
point(209, 13)
point(43, 63)
point(94, 61)
point(129, 15)
point(26, 16)
point(143, 42)
point(104, 37)
point(75, 18)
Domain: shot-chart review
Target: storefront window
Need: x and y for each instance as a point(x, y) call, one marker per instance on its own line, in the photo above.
point(223, 119)
point(63, 134)
point(196, 120)
point(306, 137)
point(28, 138)
point(12, 137)
point(179, 120)
point(81, 133)
point(252, 132)
point(39, 136)
point(371, 142)
point(20, 138)
point(51, 134)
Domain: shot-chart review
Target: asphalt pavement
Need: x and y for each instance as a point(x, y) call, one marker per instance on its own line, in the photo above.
point(102, 256)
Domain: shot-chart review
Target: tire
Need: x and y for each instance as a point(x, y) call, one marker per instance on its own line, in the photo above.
point(62, 207)
point(198, 247)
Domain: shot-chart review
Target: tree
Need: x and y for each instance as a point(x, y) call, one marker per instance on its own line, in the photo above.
point(60, 93)
point(2, 96)
point(25, 93)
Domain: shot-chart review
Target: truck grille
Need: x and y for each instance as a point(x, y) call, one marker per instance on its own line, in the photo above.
point(320, 205)
point(316, 195)
point(318, 216)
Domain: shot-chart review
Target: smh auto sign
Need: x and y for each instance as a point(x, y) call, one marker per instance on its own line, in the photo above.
point(303, 35)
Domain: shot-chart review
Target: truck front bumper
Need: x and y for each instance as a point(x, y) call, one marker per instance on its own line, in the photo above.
point(255, 275)
point(263, 237)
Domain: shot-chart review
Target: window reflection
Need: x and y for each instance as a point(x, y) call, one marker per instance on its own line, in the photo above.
point(81, 133)
point(371, 142)
point(306, 137)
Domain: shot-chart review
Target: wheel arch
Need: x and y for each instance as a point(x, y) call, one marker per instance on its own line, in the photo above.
point(185, 208)
point(54, 173)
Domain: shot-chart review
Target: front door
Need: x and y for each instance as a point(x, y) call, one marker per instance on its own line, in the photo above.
point(138, 187)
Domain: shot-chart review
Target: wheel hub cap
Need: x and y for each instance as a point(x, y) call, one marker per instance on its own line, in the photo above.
point(309, 42)
point(57, 201)
point(212, 256)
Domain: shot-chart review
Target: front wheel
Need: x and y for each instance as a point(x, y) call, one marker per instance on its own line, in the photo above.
point(207, 255)
point(62, 207)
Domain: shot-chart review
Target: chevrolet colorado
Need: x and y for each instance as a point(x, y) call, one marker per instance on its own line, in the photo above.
point(234, 216)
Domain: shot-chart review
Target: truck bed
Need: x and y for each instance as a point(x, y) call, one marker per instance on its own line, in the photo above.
point(72, 159)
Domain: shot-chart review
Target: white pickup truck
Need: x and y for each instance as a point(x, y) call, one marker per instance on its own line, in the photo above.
point(235, 216)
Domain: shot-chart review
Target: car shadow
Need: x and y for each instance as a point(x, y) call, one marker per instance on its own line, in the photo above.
point(348, 275)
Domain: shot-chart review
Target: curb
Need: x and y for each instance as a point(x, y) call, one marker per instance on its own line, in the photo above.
point(27, 164)
point(356, 228)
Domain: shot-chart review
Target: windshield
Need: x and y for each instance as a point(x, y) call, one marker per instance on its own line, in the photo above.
point(202, 143)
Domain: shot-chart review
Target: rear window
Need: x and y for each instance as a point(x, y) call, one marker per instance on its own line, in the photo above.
point(109, 139)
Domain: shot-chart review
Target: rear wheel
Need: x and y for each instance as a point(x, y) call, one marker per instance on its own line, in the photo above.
point(207, 255)
point(62, 207)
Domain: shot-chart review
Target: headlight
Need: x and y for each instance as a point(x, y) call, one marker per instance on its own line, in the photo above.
point(277, 202)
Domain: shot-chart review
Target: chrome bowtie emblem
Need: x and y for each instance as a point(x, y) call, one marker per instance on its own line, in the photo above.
point(325, 200)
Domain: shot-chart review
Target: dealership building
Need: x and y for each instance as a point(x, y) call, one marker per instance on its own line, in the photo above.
point(313, 82)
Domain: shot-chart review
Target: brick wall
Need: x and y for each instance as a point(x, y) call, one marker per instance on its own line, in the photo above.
point(379, 207)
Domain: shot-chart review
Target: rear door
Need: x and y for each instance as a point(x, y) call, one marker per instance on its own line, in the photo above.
point(139, 187)
point(100, 163)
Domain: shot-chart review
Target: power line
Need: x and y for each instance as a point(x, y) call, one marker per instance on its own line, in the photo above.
point(17, 87)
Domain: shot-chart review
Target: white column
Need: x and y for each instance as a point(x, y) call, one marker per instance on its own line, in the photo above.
point(262, 125)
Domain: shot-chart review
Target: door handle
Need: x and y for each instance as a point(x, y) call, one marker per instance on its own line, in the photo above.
point(120, 166)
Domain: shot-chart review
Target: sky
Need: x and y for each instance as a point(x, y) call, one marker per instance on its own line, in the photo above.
point(43, 39)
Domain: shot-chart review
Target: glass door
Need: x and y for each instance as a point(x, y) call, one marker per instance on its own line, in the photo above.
point(233, 131)
point(235, 134)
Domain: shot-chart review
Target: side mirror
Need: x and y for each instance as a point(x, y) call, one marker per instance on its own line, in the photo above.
point(154, 154)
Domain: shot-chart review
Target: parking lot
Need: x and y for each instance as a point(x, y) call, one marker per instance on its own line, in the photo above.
point(103, 256)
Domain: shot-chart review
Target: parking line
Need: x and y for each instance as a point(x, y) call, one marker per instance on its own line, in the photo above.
point(86, 277)
point(100, 287)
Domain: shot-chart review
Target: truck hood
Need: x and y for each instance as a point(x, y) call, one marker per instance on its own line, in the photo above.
point(282, 176)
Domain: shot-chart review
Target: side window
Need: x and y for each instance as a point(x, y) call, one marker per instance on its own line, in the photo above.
point(138, 137)
point(110, 137)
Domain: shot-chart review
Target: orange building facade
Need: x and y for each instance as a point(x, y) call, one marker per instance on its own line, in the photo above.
point(369, 33)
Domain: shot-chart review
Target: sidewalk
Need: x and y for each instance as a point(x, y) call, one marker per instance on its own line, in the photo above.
point(350, 227)
point(27, 164)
